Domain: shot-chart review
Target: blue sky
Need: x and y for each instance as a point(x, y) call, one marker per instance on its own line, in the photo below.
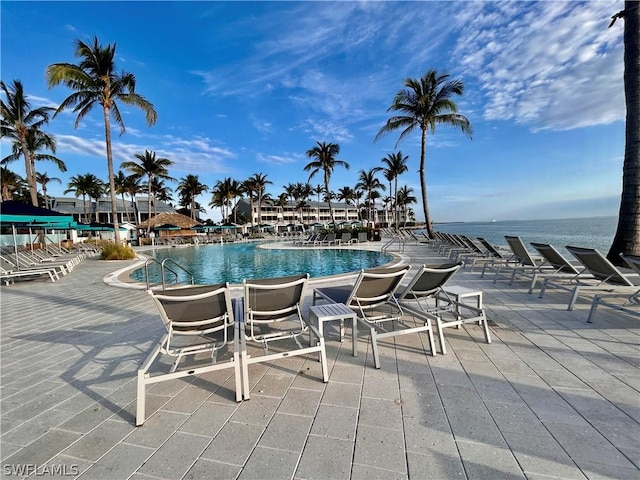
point(248, 87)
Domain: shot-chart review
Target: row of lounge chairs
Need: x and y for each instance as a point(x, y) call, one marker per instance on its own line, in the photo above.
point(271, 310)
point(590, 272)
point(52, 261)
point(318, 239)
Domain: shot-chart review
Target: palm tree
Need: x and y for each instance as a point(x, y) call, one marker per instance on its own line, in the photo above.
point(11, 182)
point(249, 186)
point(18, 119)
point(325, 161)
point(260, 182)
point(319, 190)
point(627, 236)
point(424, 103)
point(83, 185)
point(405, 198)
point(369, 182)
point(44, 179)
point(36, 141)
point(95, 82)
point(161, 193)
point(132, 187)
point(189, 188)
point(396, 165)
point(150, 166)
point(346, 195)
point(96, 193)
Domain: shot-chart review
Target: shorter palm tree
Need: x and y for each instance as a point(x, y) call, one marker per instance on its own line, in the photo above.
point(189, 188)
point(368, 182)
point(43, 179)
point(405, 198)
point(18, 121)
point(324, 155)
point(84, 185)
point(152, 167)
point(11, 182)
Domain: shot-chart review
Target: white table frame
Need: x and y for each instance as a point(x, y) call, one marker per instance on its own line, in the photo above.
point(331, 312)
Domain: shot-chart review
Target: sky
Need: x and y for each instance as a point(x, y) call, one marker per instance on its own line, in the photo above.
point(248, 87)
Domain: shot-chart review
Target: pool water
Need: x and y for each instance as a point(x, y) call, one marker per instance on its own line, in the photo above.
point(236, 261)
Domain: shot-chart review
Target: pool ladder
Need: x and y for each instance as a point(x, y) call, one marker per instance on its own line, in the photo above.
point(387, 246)
point(163, 269)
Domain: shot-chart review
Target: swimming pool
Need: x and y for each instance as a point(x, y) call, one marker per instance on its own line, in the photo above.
point(236, 261)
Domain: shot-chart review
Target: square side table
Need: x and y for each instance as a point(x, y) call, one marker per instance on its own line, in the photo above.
point(334, 311)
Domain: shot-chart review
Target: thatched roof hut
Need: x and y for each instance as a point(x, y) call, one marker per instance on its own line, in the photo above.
point(176, 219)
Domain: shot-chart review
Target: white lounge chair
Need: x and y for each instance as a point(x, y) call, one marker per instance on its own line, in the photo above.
point(198, 320)
point(598, 274)
point(273, 312)
point(373, 299)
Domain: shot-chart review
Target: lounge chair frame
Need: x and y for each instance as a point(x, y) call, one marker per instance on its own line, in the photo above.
point(374, 301)
point(196, 312)
point(428, 284)
point(598, 274)
point(271, 301)
point(632, 304)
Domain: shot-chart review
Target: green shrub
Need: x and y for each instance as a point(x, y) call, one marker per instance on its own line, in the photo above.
point(111, 251)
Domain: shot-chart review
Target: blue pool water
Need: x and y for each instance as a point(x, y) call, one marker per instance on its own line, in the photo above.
point(234, 262)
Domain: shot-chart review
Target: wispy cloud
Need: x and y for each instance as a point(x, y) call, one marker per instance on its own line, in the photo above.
point(197, 154)
point(550, 65)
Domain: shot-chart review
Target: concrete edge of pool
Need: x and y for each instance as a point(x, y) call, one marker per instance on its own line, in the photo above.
point(120, 278)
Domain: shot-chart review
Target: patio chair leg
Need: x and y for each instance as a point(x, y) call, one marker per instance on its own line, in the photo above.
point(374, 347)
point(140, 399)
point(432, 343)
point(323, 359)
point(574, 298)
point(443, 348)
point(487, 335)
point(593, 310)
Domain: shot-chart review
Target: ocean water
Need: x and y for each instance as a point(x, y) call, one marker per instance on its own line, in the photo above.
point(594, 232)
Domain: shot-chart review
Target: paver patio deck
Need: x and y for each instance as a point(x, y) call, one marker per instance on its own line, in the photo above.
point(551, 397)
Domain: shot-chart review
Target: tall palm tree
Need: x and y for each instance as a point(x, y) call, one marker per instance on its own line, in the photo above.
point(260, 182)
point(190, 187)
point(18, 119)
point(405, 198)
point(149, 166)
point(84, 185)
point(425, 103)
point(627, 236)
point(324, 155)
point(396, 165)
point(95, 82)
point(10, 182)
point(368, 181)
point(43, 179)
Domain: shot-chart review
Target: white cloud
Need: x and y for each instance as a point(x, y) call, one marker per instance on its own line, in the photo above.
point(197, 154)
point(550, 65)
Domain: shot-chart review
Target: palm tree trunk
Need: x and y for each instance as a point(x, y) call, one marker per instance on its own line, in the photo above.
point(84, 207)
point(149, 180)
point(29, 170)
point(126, 210)
point(627, 237)
point(423, 183)
point(326, 189)
point(112, 183)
